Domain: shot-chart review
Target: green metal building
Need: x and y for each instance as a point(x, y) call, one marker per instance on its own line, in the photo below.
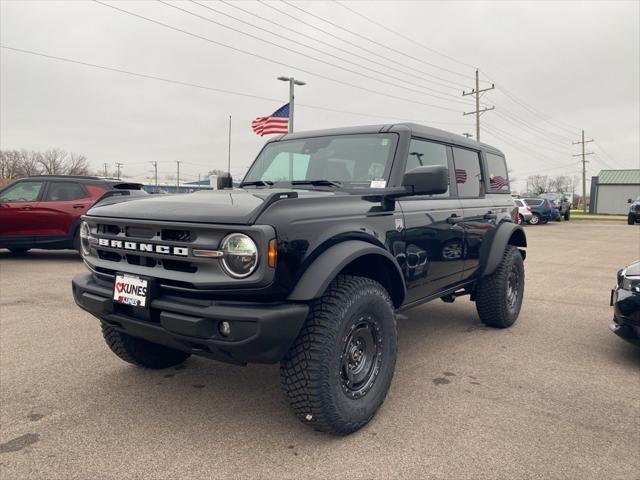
point(611, 191)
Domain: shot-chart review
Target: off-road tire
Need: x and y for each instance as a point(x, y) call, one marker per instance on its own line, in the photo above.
point(567, 216)
point(492, 299)
point(535, 219)
point(18, 251)
point(140, 352)
point(312, 373)
point(631, 219)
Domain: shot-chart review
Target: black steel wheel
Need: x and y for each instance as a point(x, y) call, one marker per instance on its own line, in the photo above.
point(339, 369)
point(499, 295)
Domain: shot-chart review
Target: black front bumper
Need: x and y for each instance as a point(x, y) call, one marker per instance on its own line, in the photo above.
point(626, 315)
point(260, 332)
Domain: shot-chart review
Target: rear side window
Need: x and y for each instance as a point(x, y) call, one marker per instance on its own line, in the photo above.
point(497, 171)
point(519, 203)
point(534, 202)
point(65, 191)
point(22, 192)
point(423, 153)
point(468, 173)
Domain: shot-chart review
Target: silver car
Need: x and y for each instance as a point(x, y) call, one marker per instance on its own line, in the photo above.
point(524, 212)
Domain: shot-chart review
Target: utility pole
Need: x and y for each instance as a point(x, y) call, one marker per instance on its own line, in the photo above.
point(178, 162)
point(105, 169)
point(476, 91)
point(229, 156)
point(584, 169)
point(292, 82)
point(118, 164)
point(155, 173)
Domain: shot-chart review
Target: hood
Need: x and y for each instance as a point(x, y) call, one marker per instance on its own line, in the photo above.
point(633, 270)
point(238, 206)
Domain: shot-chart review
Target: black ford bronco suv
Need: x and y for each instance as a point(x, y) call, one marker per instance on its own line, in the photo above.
point(330, 234)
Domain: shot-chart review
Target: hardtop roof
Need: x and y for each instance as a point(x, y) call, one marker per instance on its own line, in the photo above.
point(414, 128)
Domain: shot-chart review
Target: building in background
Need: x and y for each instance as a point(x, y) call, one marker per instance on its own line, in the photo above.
point(612, 189)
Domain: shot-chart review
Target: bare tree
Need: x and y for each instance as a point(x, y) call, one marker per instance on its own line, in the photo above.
point(537, 184)
point(23, 163)
point(76, 165)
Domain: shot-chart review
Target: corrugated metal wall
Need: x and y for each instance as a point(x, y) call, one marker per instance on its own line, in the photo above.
point(613, 198)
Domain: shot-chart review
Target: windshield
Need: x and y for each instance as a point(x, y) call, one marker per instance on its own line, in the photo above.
point(349, 160)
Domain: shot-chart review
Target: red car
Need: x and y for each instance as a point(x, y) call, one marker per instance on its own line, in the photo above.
point(45, 211)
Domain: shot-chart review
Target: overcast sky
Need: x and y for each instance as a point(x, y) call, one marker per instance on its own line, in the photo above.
point(576, 64)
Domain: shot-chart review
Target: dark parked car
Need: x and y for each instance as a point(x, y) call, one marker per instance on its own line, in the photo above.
point(45, 211)
point(329, 235)
point(625, 300)
point(561, 202)
point(634, 211)
point(542, 210)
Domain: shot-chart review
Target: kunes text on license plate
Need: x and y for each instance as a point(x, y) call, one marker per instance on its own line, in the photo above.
point(130, 290)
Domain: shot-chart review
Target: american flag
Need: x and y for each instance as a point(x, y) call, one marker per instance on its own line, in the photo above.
point(461, 175)
point(277, 122)
point(497, 183)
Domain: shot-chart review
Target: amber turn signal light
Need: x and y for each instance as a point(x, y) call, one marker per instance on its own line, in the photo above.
point(273, 253)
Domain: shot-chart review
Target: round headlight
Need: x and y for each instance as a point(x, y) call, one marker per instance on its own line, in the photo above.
point(239, 255)
point(85, 233)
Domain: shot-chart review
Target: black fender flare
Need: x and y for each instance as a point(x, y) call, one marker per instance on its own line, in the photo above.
point(317, 277)
point(493, 247)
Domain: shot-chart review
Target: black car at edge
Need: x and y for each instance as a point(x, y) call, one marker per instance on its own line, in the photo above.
point(625, 300)
point(331, 233)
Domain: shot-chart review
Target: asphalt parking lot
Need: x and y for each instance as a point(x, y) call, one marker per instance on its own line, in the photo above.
point(556, 396)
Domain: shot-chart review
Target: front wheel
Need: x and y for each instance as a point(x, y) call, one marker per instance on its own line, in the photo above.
point(631, 219)
point(535, 219)
point(499, 295)
point(140, 352)
point(339, 369)
point(567, 215)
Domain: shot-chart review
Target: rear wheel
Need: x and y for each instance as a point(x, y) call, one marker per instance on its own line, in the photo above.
point(535, 219)
point(337, 372)
point(499, 295)
point(140, 352)
point(567, 215)
point(19, 251)
point(631, 219)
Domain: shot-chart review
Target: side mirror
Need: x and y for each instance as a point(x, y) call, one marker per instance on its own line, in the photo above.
point(224, 181)
point(629, 200)
point(426, 180)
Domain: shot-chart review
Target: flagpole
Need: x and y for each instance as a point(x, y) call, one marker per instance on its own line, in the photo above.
point(292, 82)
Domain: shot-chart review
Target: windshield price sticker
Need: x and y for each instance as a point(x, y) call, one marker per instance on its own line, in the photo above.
point(378, 184)
point(129, 290)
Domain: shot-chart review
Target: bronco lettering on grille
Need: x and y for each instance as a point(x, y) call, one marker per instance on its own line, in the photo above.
point(144, 247)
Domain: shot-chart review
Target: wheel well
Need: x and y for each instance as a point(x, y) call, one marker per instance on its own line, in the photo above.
point(380, 269)
point(518, 239)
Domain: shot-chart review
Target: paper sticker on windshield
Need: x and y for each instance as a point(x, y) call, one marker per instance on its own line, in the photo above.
point(378, 184)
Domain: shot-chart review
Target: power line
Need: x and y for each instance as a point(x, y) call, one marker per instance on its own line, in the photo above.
point(535, 143)
point(215, 89)
point(422, 91)
point(448, 83)
point(400, 52)
point(384, 27)
point(270, 60)
point(422, 88)
point(400, 68)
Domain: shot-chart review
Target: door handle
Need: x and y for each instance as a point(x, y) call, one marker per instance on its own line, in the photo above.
point(454, 219)
point(490, 216)
point(26, 207)
point(78, 206)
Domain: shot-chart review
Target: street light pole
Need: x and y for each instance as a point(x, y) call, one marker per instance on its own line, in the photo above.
point(292, 82)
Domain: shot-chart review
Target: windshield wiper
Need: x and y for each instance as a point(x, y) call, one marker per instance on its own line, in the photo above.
point(257, 183)
point(319, 183)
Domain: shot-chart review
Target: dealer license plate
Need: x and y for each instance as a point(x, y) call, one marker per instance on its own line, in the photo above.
point(131, 290)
